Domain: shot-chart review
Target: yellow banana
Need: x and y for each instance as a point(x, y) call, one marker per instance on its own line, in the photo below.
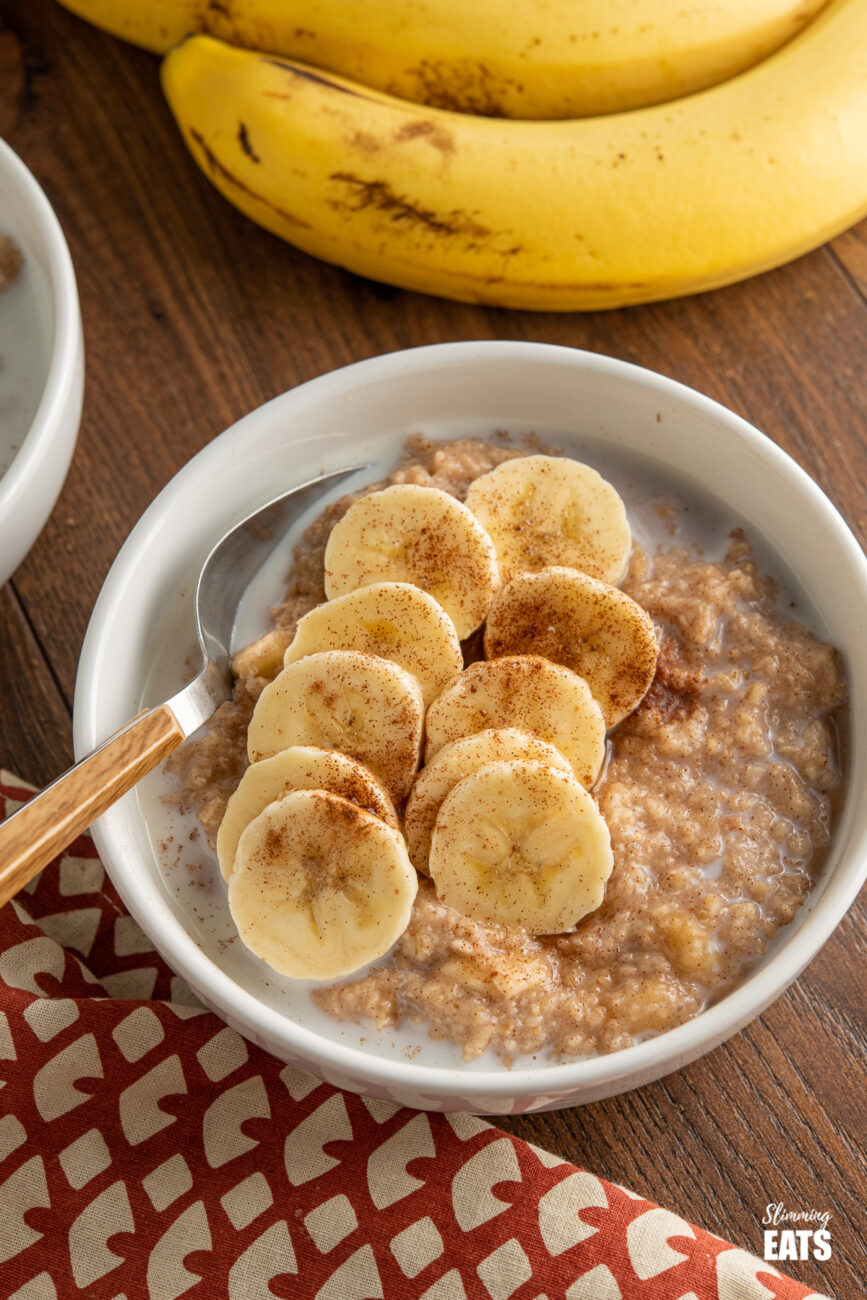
point(588, 214)
point(503, 58)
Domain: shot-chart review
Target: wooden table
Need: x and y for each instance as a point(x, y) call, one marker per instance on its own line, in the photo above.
point(193, 316)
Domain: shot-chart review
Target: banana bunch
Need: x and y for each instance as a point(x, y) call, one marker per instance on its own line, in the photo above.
point(321, 870)
point(380, 176)
point(498, 58)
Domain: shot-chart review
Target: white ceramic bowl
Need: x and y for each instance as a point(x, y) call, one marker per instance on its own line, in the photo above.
point(42, 371)
point(142, 628)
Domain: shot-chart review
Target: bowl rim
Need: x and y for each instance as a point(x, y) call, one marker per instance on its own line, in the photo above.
point(65, 355)
point(649, 1059)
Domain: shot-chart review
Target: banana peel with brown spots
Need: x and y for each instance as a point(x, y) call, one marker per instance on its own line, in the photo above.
point(553, 216)
point(498, 58)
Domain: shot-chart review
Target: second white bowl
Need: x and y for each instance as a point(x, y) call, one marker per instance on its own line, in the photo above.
point(42, 353)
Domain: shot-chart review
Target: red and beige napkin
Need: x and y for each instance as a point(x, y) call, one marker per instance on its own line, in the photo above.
point(149, 1152)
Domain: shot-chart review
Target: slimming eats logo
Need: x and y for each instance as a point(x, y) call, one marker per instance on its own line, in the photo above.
point(796, 1234)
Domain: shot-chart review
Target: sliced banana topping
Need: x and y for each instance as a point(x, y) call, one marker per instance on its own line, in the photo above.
point(320, 887)
point(263, 657)
point(544, 510)
point(528, 692)
point(394, 620)
point(457, 761)
point(359, 704)
point(420, 535)
point(320, 879)
point(304, 767)
point(521, 844)
point(572, 619)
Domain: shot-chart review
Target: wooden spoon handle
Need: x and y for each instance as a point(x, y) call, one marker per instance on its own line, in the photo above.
point(30, 838)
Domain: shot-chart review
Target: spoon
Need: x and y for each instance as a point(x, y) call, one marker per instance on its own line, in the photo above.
point(31, 837)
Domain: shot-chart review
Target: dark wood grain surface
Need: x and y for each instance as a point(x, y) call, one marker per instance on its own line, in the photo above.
point(193, 316)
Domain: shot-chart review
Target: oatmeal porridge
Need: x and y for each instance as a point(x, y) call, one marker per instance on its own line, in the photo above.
point(718, 791)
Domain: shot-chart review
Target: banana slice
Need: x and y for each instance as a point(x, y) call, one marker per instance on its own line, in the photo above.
point(461, 759)
point(320, 887)
point(261, 658)
point(528, 692)
point(392, 619)
point(301, 768)
point(523, 845)
point(361, 705)
point(420, 535)
point(572, 619)
point(544, 510)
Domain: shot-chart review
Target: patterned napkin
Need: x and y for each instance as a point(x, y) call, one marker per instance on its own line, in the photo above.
point(149, 1152)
